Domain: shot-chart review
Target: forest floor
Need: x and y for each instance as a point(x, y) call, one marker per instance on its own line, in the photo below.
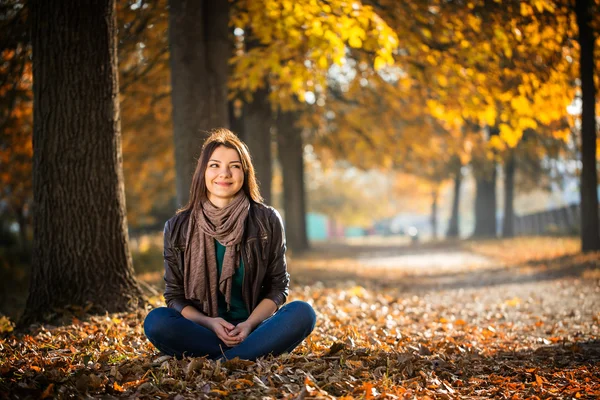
point(514, 319)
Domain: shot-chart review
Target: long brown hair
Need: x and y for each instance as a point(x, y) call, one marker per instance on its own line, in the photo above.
point(222, 137)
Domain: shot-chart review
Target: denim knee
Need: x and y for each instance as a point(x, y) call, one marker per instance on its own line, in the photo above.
point(155, 322)
point(303, 313)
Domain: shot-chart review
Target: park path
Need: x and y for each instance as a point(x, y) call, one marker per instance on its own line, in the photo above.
point(562, 291)
point(449, 260)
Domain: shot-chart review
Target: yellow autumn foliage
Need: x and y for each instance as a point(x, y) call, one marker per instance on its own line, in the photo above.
point(300, 41)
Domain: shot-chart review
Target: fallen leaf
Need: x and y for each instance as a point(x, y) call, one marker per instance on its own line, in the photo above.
point(49, 392)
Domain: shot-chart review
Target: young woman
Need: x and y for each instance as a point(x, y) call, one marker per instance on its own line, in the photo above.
point(225, 269)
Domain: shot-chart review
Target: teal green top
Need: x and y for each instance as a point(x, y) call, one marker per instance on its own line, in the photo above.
point(237, 309)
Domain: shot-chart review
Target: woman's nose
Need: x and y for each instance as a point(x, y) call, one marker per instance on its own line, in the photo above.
point(226, 171)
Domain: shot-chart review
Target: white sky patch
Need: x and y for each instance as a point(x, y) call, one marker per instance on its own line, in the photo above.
point(575, 107)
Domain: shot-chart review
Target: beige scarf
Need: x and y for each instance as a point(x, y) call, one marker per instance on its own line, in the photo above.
point(208, 222)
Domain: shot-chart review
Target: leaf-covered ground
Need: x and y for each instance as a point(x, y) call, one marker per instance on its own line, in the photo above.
point(503, 319)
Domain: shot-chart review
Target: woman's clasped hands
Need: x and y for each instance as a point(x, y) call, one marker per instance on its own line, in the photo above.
point(230, 334)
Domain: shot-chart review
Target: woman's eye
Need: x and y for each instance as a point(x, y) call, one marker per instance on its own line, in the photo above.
point(213, 165)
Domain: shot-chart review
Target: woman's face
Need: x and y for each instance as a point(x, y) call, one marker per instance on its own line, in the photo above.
point(224, 176)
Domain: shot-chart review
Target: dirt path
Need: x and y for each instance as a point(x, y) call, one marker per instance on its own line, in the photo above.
point(453, 281)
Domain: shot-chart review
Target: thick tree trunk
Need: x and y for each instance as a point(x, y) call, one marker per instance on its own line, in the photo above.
point(485, 196)
point(200, 50)
point(508, 228)
point(453, 229)
point(80, 248)
point(590, 234)
point(485, 205)
point(290, 152)
point(257, 126)
point(433, 218)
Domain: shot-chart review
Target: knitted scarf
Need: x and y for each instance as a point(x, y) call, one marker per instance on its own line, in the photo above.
point(208, 222)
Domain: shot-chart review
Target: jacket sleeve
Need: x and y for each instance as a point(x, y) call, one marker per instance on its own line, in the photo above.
point(277, 279)
point(174, 289)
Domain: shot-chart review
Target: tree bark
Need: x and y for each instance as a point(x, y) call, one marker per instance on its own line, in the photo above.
point(80, 250)
point(453, 229)
point(290, 152)
point(485, 205)
point(257, 126)
point(590, 232)
point(508, 228)
point(485, 196)
point(200, 50)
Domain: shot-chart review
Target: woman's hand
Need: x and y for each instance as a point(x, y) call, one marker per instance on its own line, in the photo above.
point(223, 331)
point(241, 331)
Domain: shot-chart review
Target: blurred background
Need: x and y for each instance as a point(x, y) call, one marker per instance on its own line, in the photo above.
point(408, 121)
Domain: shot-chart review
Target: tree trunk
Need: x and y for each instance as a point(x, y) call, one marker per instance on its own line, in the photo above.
point(453, 230)
point(508, 228)
point(485, 205)
point(434, 206)
point(80, 249)
point(257, 126)
point(590, 233)
point(290, 152)
point(200, 50)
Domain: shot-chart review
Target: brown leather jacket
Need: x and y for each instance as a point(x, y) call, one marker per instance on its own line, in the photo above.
point(263, 252)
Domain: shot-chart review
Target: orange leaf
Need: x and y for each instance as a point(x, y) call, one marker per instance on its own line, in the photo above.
point(118, 388)
point(135, 383)
point(539, 380)
point(49, 392)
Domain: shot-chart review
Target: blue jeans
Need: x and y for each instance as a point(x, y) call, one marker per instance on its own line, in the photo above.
point(173, 334)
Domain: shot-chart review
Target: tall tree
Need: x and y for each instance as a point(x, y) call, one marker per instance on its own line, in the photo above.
point(257, 128)
point(590, 231)
point(290, 151)
point(454, 223)
point(80, 249)
point(200, 50)
point(484, 168)
point(508, 228)
point(485, 195)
